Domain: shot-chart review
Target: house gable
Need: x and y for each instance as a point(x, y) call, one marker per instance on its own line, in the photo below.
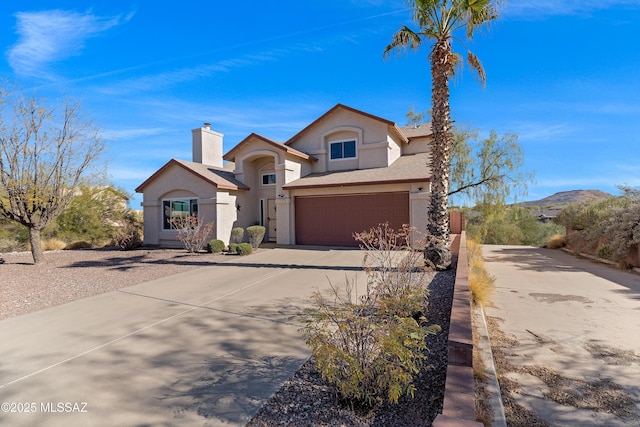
point(256, 141)
point(217, 177)
point(345, 138)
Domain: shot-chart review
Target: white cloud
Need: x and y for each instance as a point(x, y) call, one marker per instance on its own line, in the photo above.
point(126, 134)
point(540, 131)
point(53, 35)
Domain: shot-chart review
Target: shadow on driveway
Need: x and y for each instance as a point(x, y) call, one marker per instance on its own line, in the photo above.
point(553, 260)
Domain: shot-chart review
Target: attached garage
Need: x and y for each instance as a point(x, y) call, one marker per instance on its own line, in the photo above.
point(332, 220)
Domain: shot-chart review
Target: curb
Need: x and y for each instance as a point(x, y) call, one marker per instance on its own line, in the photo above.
point(498, 418)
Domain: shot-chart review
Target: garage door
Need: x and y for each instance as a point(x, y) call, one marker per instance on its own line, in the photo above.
point(332, 220)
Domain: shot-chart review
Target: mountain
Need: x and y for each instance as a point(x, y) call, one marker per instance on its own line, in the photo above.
point(566, 197)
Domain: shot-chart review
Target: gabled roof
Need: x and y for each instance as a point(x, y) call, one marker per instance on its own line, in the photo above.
point(219, 177)
point(230, 156)
point(411, 168)
point(392, 126)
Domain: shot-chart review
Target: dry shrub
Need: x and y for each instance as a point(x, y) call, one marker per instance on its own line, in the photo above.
point(11, 245)
point(556, 241)
point(53, 245)
point(80, 244)
point(193, 232)
point(481, 283)
point(371, 345)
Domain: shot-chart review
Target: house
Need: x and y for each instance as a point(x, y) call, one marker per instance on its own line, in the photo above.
point(345, 172)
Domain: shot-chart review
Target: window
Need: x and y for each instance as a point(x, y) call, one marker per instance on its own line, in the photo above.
point(343, 150)
point(177, 208)
point(268, 179)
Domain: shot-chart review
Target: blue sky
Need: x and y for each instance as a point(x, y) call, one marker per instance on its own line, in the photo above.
point(562, 74)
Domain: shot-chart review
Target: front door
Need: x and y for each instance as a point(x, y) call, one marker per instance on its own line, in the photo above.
point(271, 219)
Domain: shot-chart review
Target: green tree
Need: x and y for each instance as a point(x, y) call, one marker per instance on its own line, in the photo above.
point(93, 214)
point(439, 22)
point(493, 166)
point(482, 169)
point(45, 155)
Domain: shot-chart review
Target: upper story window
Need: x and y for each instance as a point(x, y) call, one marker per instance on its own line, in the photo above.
point(343, 149)
point(268, 179)
point(176, 209)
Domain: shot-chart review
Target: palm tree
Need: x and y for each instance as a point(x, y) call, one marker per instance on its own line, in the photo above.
point(438, 22)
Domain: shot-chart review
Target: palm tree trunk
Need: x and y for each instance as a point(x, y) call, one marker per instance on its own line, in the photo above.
point(437, 252)
point(36, 247)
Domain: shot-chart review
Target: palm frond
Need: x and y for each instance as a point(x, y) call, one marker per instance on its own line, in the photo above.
point(475, 63)
point(405, 38)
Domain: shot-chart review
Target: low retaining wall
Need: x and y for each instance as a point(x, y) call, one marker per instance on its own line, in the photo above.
point(459, 396)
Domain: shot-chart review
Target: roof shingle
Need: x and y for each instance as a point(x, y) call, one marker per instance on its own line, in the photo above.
point(412, 168)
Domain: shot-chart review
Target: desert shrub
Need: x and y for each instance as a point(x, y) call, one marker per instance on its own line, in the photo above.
point(129, 235)
point(215, 246)
point(79, 244)
point(556, 241)
point(511, 225)
point(607, 228)
point(371, 345)
point(11, 245)
point(244, 249)
point(53, 244)
point(394, 269)
point(364, 351)
point(481, 283)
point(192, 231)
point(605, 252)
point(256, 234)
point(233, 248)
point(237, 235)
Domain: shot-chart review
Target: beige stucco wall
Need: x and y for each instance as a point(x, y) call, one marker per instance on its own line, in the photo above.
point(371, 136)
point(417, 145)
point(214, 206)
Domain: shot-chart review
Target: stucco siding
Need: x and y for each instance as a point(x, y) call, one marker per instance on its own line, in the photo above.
point(343, 124)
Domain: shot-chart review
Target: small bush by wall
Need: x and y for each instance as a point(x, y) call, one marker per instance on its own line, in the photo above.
point(237, 235)
point(256, 234)
point(215, 246)
point(244, 249)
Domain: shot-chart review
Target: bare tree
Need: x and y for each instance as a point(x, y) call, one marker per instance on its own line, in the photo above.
point(45, 155)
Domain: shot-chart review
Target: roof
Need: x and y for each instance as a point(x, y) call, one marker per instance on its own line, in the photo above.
point(232, 153)
point(394, 129)
point(417, 131)
point(221, 178)
point(412, 168)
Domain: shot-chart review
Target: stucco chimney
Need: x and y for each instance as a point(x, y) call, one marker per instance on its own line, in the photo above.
point(207, 146)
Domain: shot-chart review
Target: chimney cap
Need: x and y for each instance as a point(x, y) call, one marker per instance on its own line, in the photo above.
point(207, 125)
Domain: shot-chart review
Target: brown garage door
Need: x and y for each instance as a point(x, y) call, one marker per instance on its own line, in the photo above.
point(332, 220)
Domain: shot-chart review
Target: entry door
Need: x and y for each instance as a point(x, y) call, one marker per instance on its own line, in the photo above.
point(271, 219)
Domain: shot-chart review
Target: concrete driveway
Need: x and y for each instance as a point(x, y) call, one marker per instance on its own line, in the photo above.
point(572, 331)
point(205, 347)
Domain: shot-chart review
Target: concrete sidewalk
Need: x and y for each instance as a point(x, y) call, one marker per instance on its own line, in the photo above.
point(577, 318)
point(205, 347)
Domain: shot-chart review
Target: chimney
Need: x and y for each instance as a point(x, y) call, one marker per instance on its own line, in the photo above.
point(207, 146)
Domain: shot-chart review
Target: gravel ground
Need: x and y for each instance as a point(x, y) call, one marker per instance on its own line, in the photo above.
point(304, 400)
point(71, 275)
